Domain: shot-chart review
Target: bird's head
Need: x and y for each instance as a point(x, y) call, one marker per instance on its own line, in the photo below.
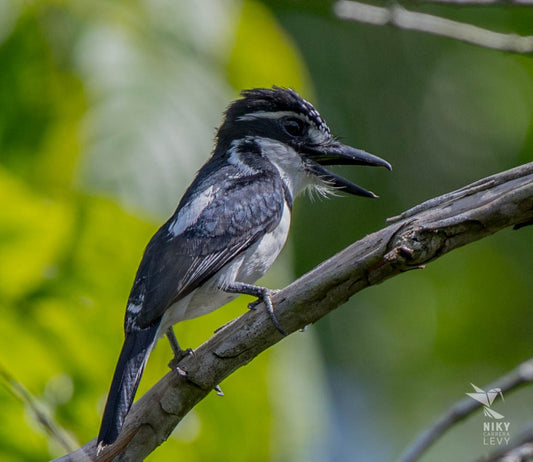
point(289, 131)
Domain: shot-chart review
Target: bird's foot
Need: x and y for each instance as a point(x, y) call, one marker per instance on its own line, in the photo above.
point(178, 357)
point(266, 297)
point(261, 298)
point(183, 373)
point(263, 295)
point(179, 353)
point(180, 371)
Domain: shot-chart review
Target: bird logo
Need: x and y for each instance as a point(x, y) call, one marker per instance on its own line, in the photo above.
point(486, 398)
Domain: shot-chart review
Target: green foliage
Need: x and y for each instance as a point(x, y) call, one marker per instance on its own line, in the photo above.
point(106, 116)
point(264, 54)
point(108, 109)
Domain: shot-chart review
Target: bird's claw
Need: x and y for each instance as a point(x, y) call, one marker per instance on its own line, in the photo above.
point(253, 305)
point(219, 390)
point(268, 293)
point(266, 298)
point(178, 357)
point(181, 372)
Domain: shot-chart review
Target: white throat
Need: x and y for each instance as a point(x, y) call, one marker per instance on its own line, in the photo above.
point(289, 164)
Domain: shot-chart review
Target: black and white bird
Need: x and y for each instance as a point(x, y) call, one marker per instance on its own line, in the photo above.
point(229, 227)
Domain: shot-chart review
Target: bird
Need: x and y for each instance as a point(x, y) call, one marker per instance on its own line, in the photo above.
point(228, 228)
point(486, 398)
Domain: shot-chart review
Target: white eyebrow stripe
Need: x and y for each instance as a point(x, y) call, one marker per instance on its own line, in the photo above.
point(273, 115)
point(279, 114)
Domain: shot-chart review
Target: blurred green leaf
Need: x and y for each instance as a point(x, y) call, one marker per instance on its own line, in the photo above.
point(33, 230)
point(116, 99)
point(264, 54)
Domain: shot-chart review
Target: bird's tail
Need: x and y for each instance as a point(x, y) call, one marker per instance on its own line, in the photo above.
point(135, 351)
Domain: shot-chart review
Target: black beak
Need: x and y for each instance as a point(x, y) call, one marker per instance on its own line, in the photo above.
point(340, 154)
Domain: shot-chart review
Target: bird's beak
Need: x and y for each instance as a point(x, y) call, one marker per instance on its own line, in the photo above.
point(336, 153)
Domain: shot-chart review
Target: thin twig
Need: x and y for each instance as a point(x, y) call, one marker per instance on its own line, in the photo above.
point(465, 407)
point(520, 3)
point(520, 449)
point(398, 16)
point(36, 409)
point(522, 453)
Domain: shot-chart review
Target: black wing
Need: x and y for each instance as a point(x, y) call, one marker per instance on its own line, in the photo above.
point(237, 211)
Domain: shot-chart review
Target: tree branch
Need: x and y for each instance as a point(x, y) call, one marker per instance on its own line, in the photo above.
point(401, 18)
point(470, 3)
point(412, 240)
point(522, 3)
point(461, 409)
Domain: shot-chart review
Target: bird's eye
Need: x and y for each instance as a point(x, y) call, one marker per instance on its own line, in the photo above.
point(294, 127)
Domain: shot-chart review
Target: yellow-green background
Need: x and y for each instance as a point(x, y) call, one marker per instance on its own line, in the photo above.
point(107, 108)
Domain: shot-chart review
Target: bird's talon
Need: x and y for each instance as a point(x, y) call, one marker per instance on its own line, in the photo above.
point(219, 390)
point(277, 325)
point(173, 364)
point(181, 372)
point(267, 299)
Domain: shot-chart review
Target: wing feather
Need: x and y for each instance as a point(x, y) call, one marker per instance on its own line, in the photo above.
point(239, 213)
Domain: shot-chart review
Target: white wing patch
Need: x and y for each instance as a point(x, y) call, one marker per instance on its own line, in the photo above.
point(191, 211)
point(133, 308)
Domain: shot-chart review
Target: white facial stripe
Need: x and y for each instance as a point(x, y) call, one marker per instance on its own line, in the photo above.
point(288, 162)
point(317, 136)
point(279, 114)
point(189, 214)
point(235, 158)
point(272, 115)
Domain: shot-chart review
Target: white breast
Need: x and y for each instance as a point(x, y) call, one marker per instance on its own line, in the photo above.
point(260, 257)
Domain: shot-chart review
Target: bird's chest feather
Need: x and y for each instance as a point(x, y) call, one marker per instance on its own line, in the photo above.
point(260, 256)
